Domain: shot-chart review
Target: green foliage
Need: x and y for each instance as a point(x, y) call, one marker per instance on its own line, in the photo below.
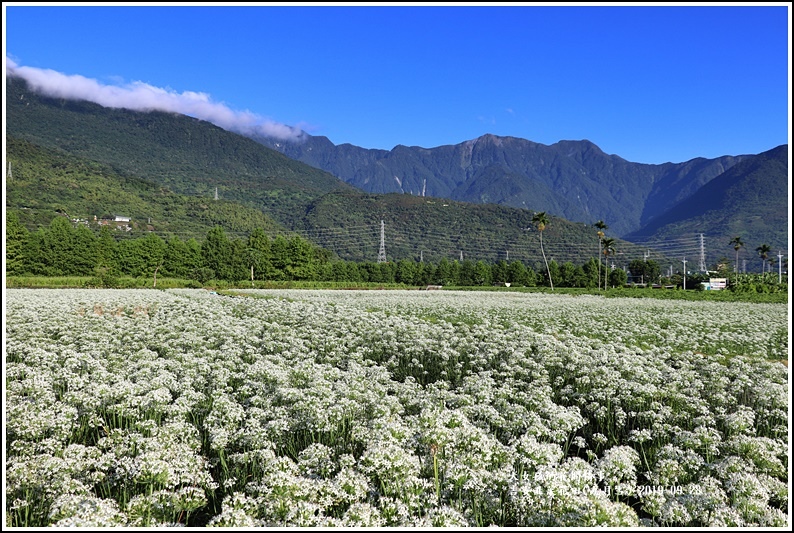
point(47, 182)
point(63, 248)
point(203, 274)
point(763, 252)
point(58, 250)
point(645, 271)
point(216, 252)
point(142, 256)
point(769, 283)
point(103, 279)
point(16, 243)
point(181, 258)
point(258, 249)
point(183, 154)
point(617, 277)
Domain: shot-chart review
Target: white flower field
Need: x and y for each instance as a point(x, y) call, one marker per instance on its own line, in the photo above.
point(393, 408)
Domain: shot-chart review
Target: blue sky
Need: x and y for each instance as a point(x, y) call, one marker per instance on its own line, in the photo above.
point(651, 84)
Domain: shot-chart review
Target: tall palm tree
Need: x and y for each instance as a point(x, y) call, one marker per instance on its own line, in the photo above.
point(541, 220)
point(609, 249)
point(737, 243)
point(763, 251)
point(601, 227)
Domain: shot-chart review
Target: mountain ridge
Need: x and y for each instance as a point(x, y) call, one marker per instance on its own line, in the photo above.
point(585, 183)
point(733, 203)
point(193, 157)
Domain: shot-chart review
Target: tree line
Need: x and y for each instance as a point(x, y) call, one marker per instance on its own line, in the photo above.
point(65, 249)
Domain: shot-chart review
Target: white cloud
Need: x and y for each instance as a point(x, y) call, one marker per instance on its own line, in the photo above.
point(139, 96)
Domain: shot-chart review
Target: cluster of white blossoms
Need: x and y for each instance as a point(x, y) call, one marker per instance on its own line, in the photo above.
point(392, 409)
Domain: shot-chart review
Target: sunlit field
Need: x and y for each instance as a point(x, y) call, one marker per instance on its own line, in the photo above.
point(392, 408)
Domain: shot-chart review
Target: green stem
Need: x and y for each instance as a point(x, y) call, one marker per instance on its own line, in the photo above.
point(435, 474)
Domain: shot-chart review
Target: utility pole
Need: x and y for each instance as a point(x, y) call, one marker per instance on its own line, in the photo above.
point(382, 251)
point(684, 261)
point(779, 267)
point(702, 266)
point(645, 255)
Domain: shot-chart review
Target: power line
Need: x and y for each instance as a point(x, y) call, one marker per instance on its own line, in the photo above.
point(482, 247)
point(436, 244)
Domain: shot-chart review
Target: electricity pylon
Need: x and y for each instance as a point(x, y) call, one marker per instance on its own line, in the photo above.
point(382, 251)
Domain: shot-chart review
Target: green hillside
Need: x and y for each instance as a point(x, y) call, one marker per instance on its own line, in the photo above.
point(749, 200)
point(186, 155)
point(44, 183)
point(179, 161)
point(429, 229)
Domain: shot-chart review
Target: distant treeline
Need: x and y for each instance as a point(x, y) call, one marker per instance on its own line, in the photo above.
point(65, 249)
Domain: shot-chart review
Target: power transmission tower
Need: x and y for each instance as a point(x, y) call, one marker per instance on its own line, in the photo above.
point(702, 265)
point(382, 251)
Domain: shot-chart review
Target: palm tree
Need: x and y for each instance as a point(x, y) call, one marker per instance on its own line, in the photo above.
point(601, 227)
point(609, 249)
point(737, 243)
point(541, 220)
point(763, 251)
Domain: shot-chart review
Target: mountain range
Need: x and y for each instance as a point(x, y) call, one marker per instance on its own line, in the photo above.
point(477, 196)
point(572, 179)
point(724, 197)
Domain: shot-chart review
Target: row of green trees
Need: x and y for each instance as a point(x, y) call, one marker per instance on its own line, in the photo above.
point(65, 249)
point(763, 252)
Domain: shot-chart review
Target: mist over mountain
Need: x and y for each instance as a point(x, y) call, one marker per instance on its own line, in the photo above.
point(185, 154)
